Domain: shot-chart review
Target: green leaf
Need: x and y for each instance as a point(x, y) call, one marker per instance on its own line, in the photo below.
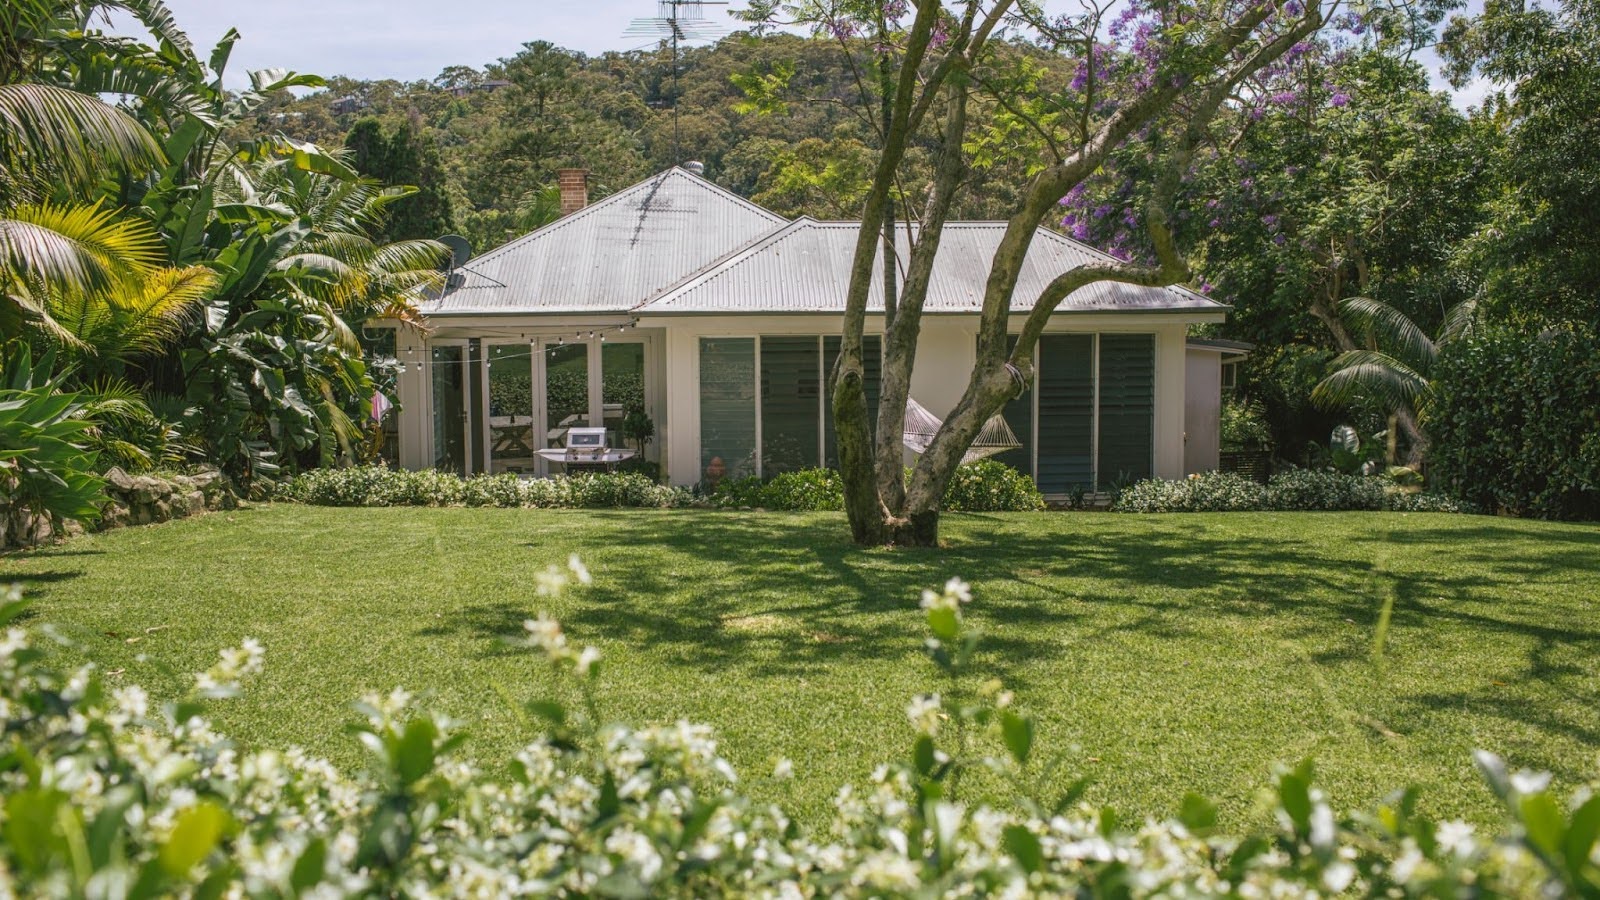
point(1018, 734)
point(922, 754)
point(1197, 814)
point(414, 752)
point(944, 622)
point(549, 710)
point(1024, 846)
point(1542, 820)
point(1578, 845)
point(30, 826)
point(196, 834)
point(309, 867)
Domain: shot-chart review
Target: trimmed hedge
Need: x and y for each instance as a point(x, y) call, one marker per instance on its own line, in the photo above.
point(379, 486)
point(1515, 423)
point(983, 486)
point(109, 792)
point(1300, 489)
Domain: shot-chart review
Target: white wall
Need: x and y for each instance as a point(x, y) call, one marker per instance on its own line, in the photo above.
point(1202, 411)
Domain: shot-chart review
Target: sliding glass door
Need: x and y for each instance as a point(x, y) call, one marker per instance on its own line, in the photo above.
point(448, 365)
point(511, 424)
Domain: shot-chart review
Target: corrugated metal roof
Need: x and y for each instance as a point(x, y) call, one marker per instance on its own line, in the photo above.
point(613, 255)
point(805, 268)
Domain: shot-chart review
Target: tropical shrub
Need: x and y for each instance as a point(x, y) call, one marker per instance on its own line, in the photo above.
point(991, 486)
point(45, 467)
point(1296, 490)
point(1211, 492)
point(982, 486)
point(1244, 425)
point(380, 486)
point(1515, 423)
point(806, 490)
point(105, 787)
point(1310, 489)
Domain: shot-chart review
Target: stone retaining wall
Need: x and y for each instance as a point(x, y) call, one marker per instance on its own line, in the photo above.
point(135, 500)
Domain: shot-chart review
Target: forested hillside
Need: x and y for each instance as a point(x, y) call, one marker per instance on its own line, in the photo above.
point(490, 139)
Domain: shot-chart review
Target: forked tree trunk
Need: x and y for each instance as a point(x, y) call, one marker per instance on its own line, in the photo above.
point(881, 508)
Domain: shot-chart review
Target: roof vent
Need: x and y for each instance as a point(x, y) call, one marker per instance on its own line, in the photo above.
point(696, 167)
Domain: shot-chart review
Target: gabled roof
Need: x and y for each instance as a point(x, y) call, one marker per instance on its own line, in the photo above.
point(805, 268)
point(611, 256)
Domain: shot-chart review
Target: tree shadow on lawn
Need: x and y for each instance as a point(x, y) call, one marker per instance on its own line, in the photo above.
point(789, 595)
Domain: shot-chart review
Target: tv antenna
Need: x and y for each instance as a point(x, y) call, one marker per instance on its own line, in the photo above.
point(676, 22)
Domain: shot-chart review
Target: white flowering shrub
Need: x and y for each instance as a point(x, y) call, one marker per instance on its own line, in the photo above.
point(1299, 489)
point(380, 486)
point(107, 794)
point(982, 486)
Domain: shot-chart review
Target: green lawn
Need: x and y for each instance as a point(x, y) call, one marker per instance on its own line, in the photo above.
point(1177, 652)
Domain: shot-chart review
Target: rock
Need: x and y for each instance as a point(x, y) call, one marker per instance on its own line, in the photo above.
point(141, 514)
point(147, 489)
point(194, 502)
point(119, 479)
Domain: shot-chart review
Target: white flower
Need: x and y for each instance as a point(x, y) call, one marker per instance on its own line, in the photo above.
point(587, 659)
point(575, 565)
point(923, 712)
point(784, 770)
point(958, 589)
point(1456, 836)
point(1526, 782)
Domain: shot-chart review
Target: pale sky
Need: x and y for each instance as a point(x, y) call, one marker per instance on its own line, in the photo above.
point(414, 39)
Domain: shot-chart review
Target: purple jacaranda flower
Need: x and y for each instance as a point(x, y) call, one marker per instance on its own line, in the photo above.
point(1279, 240)
point(1080, 231)
point(1215, 223)
point(1213, 203)
point(1103, 210)
point(1340, 98)
point(1269, 220)
point(1207, 287)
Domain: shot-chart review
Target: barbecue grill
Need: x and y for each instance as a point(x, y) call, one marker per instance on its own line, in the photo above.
point(587, 450)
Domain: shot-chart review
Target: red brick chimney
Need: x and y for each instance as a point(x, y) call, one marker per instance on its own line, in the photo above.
point(574, 185)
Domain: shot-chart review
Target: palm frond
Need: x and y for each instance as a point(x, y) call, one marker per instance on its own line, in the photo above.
point(410, 256)
point(1370, 373)
point(1393, 329)
point(156, 314)
point(76, 138)
point(159, 21)
point(76, 248)
point(1459, 321)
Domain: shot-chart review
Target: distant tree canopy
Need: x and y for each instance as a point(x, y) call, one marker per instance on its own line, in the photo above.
point(502, 131)
point(402, 156)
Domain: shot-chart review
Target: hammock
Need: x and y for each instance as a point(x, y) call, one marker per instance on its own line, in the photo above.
point(921, 426)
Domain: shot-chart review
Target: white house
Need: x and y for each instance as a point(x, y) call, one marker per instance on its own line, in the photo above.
point(720, 320)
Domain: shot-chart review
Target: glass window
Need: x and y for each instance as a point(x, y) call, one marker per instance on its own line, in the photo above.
point(791, 404)
point(622, 391)
point(566, 384)
point(1127, 407)
point(512, 436)
point(449, 408)
point(727, 408)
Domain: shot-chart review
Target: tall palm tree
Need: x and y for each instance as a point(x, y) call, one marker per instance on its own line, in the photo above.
point(1399, 377)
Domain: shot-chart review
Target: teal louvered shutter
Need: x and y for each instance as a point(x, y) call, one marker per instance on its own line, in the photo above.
point(1127, 407)
point(1066, 413)
point(791, 404)
point(871, 371)
point(727, 407)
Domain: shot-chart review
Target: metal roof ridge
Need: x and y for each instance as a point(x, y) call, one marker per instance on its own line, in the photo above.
point(552, 227)
point(707, 273)
point(718, 189)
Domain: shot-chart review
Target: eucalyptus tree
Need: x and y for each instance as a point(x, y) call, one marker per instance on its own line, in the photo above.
point(1159, 85)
